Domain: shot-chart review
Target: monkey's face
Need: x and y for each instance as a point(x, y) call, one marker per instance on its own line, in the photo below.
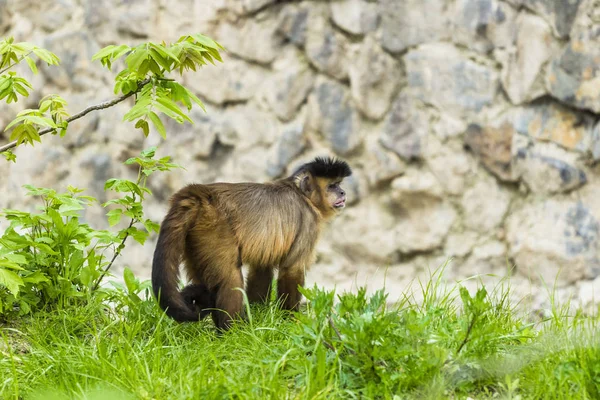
point(335, 195)
point(325, 193)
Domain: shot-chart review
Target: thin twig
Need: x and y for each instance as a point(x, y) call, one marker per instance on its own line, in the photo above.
point(330, 347)
point(119, 249)
point(332, 325)
point(101, 106)
point(467, 334)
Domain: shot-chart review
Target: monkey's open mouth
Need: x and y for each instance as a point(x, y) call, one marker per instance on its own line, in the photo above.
point(340, 203)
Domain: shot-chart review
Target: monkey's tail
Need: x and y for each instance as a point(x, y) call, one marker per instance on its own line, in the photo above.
point(167, 256)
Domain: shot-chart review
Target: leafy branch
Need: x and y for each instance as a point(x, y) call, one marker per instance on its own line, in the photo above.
point(131, 204)
point(53, 127)
point(11, 54)
point(144, 75)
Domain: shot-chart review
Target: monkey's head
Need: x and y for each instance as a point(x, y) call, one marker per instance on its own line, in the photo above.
point(320, 180)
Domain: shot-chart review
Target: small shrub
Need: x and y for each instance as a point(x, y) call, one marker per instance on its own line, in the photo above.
point(52, 259)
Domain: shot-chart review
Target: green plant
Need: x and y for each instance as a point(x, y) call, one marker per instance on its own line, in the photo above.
point(374, 351)
point(52, 259)
point(130, 205)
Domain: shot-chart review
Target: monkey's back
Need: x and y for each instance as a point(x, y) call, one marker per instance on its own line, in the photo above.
point(267, 221)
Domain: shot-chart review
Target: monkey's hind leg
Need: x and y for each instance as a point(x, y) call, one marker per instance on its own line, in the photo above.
point(229, 301)
point(287, 288)
point(214, 260)
point(258, 285)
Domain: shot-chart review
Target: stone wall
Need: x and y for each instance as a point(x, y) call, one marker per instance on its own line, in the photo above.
point(471, 125)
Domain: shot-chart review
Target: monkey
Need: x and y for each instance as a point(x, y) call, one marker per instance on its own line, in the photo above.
point(216, 228)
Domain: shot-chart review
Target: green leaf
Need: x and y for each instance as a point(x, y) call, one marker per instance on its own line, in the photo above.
point(38, 191)
point(45, 248)
point(153, 66)
point(88, 275)
point(24, 307)
point(139, 109)
point(5, 82)
point(158, 124)
point(43, 239)
point(151, 226)
point(111, 51)
point(149, 152)
point(196, 100)
point(130, 280)
point(15, 258)
point(170, 108)
point(138, 235)
point(164, 51)
point(36, 277)
point(215, 54)
point(114, 216)
point(123, 185)
point(123, 202)
point(9, 155)
point(20, 89)
point(143, 125)
point(136, 57)
point(110, 183)
point(31, 64)
point(25, 133)
point(10, 280)
point(42, 121)
point(29, 111)
point(106, 51)
point(120, 51)
point(57, 219)
point(159, 59)
point(47, 56)
point(206, 41)
point(144, 67)
point(8, 264)
point(14, 122)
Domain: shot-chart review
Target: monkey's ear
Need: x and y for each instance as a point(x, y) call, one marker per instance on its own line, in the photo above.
point(306, 184)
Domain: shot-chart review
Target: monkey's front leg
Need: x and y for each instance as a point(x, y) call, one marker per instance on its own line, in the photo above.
point(287, 287)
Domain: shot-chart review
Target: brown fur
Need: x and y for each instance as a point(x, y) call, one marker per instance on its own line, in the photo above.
point(216, 228)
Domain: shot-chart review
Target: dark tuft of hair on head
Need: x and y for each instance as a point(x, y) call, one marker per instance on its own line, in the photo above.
point(326, 167)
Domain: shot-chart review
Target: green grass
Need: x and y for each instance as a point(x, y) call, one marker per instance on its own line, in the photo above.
point(450, 345)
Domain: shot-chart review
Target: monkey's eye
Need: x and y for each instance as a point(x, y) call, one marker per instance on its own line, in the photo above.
point(332, 186)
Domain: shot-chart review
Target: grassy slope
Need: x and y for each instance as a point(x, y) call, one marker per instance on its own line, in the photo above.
point(353, 349)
